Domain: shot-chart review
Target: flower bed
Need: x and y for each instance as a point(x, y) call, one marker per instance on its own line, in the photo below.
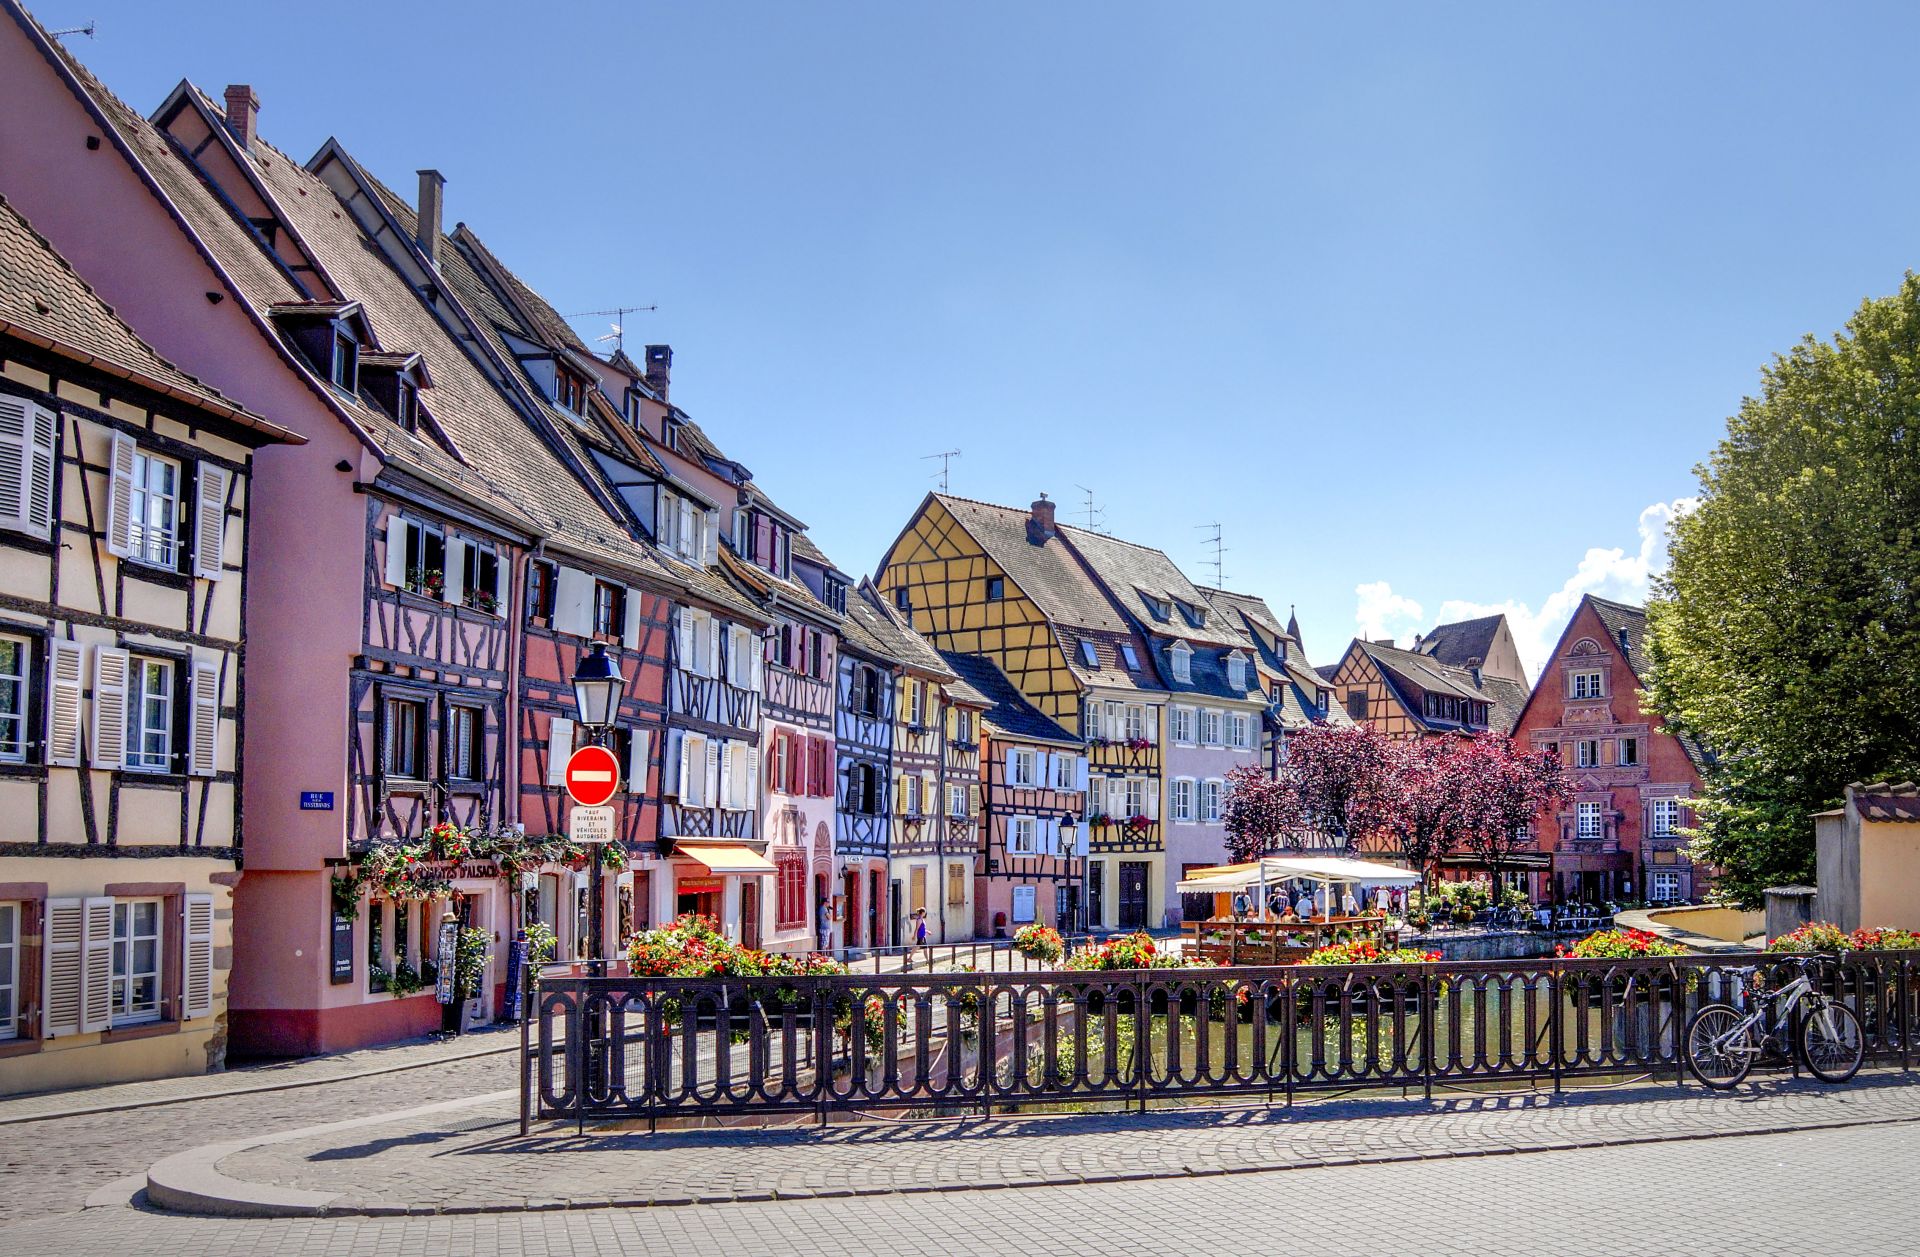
point(1819, 936)
point(1368, 953)
point(1039, 942)
point(1620, 944)
point(1129, 951)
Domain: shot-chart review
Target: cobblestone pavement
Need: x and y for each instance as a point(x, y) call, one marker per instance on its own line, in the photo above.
point(1836, 1191)
point(49, 1167)
point(475, 1161)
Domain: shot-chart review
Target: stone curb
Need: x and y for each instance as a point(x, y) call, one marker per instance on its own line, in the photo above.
point(290, 1084)
point(190, 1182)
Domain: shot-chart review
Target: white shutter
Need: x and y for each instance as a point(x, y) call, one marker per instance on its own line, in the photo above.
point(639, 755)
point(729, 801)
point(713, 772)
point(1150, 789)
point(559, 749)
point(120, 497)
point(693, 770)
point(27, 434)
point(712, 661)
point(1010, 760)
point(96, 1005)
point(65, 667)
point(572, 601)
point(65, 968)
point(670, 763)
point(196, 977)
point(630, 631)
point(758, 681)
point(203, 730)
point(454, 579)
point(502, 571)
point(709, 538)
point(683, 638)
point(210, 521)
point(110, 665)
point(753, 777)
point(1080, 773)
point(397, 549)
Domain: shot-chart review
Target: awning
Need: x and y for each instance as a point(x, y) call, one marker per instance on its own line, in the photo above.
point(1516, 862)
point(1275, 869)
point(725, 857)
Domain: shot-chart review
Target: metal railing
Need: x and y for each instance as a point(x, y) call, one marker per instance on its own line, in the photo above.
point(984, 955)
point(609, 1048)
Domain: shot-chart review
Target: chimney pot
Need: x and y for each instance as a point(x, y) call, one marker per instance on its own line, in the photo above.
point(1040, 524)
point(426, 218)
point(1623, 640)
point(243, 109)
point(659, 368)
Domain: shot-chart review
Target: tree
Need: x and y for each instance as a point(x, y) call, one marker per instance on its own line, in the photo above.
point(1424, 801)
point(1785, 634)
point(1503, 789)
point(1341, 780)
point(1258, 811)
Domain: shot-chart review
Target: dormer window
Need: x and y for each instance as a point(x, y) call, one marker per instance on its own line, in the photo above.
point(1180, 655)
point(1131, 659)
point(1087, 654)
point(1236, 671)
point(1159, 608)
point(345, 371)
point(406, 406)
point(569, 391)
point(1195, 616)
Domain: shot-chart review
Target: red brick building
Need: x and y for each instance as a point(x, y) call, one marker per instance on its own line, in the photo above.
point(1618, 832)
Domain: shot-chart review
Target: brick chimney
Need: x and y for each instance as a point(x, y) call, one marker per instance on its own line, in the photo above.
point(243, 113)
point(426, 218)
point(659, 368)
point(1040, 524)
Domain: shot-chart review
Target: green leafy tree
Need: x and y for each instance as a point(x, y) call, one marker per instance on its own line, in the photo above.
point(1785, 633)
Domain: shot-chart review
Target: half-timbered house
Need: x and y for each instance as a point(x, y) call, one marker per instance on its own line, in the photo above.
point(1012, 585)
point(1411, 694)
point(1031, 797)
point(863, 750)
point(126, 488)
point(1618, 833)
point(1297, 696)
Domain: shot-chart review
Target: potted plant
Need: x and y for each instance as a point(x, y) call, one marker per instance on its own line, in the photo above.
point(1039, 942)
point(430, 582)
point(471, 951)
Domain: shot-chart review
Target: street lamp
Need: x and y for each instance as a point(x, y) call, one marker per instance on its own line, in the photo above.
point(1069, 824)
point(597, 686)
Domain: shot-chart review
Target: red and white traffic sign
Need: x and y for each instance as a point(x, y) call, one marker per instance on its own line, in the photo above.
point(593, 774)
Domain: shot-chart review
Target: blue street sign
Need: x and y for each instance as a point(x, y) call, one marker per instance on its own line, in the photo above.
point(316, 800)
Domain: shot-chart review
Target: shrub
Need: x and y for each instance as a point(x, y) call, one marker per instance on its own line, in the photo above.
point(1367, 953)
point(1620, 945)
point(1039, 942)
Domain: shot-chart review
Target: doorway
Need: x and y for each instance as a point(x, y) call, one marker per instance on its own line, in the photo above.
point(875, 898)
point(750, 913)
point(897, 901)
point(1133, 895)
point(850, 907)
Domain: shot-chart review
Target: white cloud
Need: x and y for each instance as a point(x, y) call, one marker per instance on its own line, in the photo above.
point(1609, 572)
point(1383, 613)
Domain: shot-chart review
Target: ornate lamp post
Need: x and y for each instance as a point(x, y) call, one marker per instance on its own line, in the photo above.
point(597, 686)
point(1069, 835)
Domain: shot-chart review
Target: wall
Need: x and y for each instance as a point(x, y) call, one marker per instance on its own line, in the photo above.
point(1890, 875)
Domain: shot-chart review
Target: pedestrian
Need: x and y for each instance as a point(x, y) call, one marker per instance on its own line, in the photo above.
point(1349, 905)
point(1303, 907)
point(920, 929)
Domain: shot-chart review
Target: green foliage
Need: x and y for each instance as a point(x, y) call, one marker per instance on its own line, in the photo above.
point(470, 954)
point(1785, 635)
point(542, 945)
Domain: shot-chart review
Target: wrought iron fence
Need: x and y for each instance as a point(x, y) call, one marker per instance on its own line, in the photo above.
point(607, 1048)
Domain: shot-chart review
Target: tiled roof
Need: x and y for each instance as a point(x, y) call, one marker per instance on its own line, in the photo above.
point(1626, 627)
point(1207, 671)
point(1128, 570)
point(896, 638)
point(803, 548)
point(1884, 801)
point(44, 300)
point(1049, 573)
point(1464, 642)
point(1260, 624)
point(1007, 709)
point(1413, 673)
point(760, 583)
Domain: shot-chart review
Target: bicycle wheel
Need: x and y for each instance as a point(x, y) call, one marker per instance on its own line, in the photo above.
point(1831, 1042)
point(1720, 1047)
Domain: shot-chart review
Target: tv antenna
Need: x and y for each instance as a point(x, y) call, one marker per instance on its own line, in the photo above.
point(1218, 562)
point(946, 458)
point(1096, 515)
point(86, 30)
point(619, 315)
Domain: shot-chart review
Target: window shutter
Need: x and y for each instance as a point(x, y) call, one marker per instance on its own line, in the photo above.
point(65, 667)
point(120, 497)
point(713, 772)
point(759, 677)
point(65, 970)
point(673, 763)
point(930, 793)
point(727, 801)
point(639, 756)
point(210, 521)
point(454, 579)
point(96, 1006)
point(196, 978)
point(110, 666)
point(1150, 790)
point(1010, 762)
point(27, 434)
point(1080, 773)
point(203, 732)
point(753, 776)
point(709, 538)
point(630, 631)
point(572, 601)
point(396, 549)
point(559, 749)
point(502, 578)
point(900, 794)
point(683, 638)
point(973, 800)
point(712, 660)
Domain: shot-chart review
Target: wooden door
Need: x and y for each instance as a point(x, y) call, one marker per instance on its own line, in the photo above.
point(1133, 895)
point(750, 913)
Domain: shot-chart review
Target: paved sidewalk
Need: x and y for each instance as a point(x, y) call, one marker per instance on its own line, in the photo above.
point(469, 1161)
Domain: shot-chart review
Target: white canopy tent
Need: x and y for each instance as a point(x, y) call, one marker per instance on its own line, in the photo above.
point(1257, 875)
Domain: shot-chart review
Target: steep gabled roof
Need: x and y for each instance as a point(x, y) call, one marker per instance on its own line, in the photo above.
point(1008, 711)
point(1627, 629)
point(896, 637)
point(1129, 570)
point(44, 301)
point(1462, 643)
point(1413, 674)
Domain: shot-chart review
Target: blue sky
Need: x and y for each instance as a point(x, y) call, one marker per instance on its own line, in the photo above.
point(1426, 305)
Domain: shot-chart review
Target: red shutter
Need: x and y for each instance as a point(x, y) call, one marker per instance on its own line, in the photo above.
point(821, 784)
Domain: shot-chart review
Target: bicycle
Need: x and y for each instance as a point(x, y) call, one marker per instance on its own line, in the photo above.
point(1723, 1042)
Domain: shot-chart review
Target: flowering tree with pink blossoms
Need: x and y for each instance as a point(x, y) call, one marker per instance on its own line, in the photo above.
point(1338, 781)
point(1502, 789)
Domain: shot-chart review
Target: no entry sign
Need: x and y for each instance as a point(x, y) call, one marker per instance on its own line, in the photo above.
point(593, 774)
